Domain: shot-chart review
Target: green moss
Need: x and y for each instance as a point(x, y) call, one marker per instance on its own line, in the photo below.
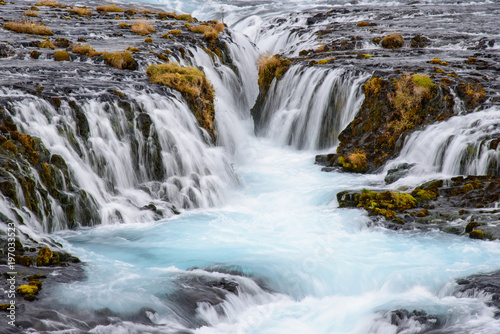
point(391, 200)
point(423, 81)
point(44, 256)
point(61, 55)
point(27, 289)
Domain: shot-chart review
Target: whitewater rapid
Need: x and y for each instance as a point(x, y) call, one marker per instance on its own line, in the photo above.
point(300, 264)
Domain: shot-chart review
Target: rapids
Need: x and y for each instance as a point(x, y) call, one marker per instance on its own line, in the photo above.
point(260, 245)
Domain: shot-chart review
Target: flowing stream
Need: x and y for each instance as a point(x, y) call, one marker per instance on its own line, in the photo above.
point(260, 246)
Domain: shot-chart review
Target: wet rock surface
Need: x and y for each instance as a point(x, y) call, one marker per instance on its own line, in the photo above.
point(93, 55)
point(460, 205)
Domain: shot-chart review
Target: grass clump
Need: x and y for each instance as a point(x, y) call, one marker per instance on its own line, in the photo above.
point(50, 3)
point(210, 31)
point(61, 55)
point(392, 41)
point(473, 93)
point(47, 45)
point(175, 32)
point(123, 25)
point(354, 162)
point(270, 67)
point(110, 9)
point(407, 97)
point(84, 49)
point(121, 60)
point(194, 87)
point(80, 11)
point(30, 13)
point(184, 17)
point(28, 28)
point(142, 28)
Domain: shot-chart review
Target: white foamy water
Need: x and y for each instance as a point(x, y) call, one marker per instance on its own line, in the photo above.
point(262, 246)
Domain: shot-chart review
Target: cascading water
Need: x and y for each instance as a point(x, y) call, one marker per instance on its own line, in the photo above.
point(123, 170)
point(463, 145)
point(264, 248)
point(309, 107)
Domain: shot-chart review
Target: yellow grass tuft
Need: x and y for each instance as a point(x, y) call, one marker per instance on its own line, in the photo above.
point(110, 9)
point(193, 85)
point(209, 31)
point(50, 3)
point(175, 32)
point(84, 49)
point(270, 67)
point(47, 45)
point(30, 13)
point(121, 60)
point(142, 28)
point(80, 11)
point(28, 28)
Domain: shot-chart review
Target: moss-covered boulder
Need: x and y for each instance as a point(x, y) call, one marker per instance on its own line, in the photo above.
point(392, 41)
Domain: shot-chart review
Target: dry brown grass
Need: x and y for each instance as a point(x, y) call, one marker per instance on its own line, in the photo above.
point(30, 13)
point(50, 3)
point(209, 31)
point(146, 11)
point(270, 67)
point(474, 93)
point(166, 15)
point(407, 97)
point(193, 85)
point(175, 32)
point(123, 25)
point(84, 49)
point(121, 60)
point(110, 9)
point(80, 11)
point(142, 28)
point(358, 158)
point(47, 45)
point(27, 27)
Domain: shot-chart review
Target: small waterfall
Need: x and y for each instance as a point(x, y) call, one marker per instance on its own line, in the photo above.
point(462, 145)
point(136, 160)
point(309, 107)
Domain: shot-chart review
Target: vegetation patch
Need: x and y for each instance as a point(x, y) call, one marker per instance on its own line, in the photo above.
point(407, 97)
point(142, 28)
point(175, 32)
point(46, 44)
point(27, 27)
point(31, 13)
point(50, 3)
point(271, 67)
point(194, 87)
point(80, 11)
point(392, 41)
point(210, 31)
point(84, 49)
point(61, 55)
point(110, 9)
point(121, 60)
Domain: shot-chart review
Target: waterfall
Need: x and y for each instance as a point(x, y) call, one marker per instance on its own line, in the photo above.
point(462, 145)
point(138, 161)
point(309, 107)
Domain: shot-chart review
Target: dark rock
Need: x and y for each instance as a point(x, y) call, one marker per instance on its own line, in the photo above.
point(398, 172)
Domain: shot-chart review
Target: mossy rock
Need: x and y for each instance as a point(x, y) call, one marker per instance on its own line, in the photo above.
point(392, 41)
point(27, 289)
point(44, 257)
point(36, 283)
point(26, 261)
point(476, 234)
